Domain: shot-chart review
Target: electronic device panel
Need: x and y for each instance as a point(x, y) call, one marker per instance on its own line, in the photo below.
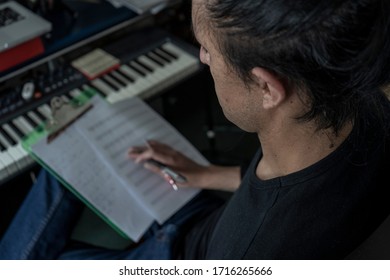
point(74, 23)
point(18, 25)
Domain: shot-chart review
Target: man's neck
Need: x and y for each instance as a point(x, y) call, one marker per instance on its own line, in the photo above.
point(293, 149)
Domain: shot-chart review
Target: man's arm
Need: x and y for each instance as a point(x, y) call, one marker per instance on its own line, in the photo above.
point(212, 177)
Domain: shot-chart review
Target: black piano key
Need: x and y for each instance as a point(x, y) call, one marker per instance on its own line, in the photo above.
point(155, 60)
point(39, 114)
point(169, 53)
point(8, 137)
point(101, 92)
point(147, 68)
point(16, 129)
point(67, 94)
point(2, 148)
point(7, 128)
point(137, 70)
point(162, 55)
point(30, 120)
point(119, 81)
point(114, 87)
point(38, 117)
point(126, 76)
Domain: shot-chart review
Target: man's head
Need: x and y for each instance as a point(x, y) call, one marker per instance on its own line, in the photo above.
point(333, 52)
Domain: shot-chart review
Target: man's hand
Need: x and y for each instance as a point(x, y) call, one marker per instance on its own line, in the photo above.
point(205, 177)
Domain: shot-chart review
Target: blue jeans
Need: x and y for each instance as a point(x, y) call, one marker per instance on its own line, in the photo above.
point(43, 224)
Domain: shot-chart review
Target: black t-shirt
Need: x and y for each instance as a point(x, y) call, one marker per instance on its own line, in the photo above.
point(321, 212)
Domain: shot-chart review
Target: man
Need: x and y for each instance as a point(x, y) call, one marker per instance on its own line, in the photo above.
point(305, 77)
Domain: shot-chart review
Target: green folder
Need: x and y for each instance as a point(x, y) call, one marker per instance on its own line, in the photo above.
point(91, 160)
point(92, 227)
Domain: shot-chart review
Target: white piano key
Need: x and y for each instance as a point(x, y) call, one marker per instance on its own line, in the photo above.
point(171, 48)
point(35, 117)
point(158, 71)
point(165, 75)
point(138, 87)
point(184, 59)
point(117, 95)
point(3, 170)
point(45, 110)
point(4, 141)
point(23, 125)
point(18, 156)
point(121, 78)
point(11, 132)
point(138, 68)
point(177, 65)
point(118, 87)
point(154, 60)
point(75, 92)
point(152, 78)
point(130, 90)
point(40, 115)
point(163, 54)
point(102, 87)
point(163, 72)
point(18, 153)
point(185, 62)
point(140, 84)
point(26, 158)
point(15, 154)
point(30, 121)
point(182, 62)
point(7, 145)
point(8, 162)
point(114, 95)
point(130, 76)
point(145, 64)
point(171, 69)
point(158, 59)
point(183, 65)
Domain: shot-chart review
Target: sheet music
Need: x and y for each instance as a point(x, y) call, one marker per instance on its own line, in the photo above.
point(91, 155)
point(115, 128)
point(72, 158)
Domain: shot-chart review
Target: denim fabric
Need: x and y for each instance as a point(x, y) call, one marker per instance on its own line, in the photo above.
point(44, 222)
point(158, 245)
point(42, 225)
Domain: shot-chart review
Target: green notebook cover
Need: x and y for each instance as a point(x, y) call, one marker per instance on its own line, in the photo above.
point(39, 133)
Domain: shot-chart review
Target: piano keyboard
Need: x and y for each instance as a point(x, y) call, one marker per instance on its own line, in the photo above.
point(144, 75)
point(148, 74)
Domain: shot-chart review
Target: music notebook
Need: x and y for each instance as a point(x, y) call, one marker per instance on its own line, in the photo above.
point(89, 157)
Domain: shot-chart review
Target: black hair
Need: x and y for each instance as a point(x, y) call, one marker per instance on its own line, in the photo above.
point(338, 51)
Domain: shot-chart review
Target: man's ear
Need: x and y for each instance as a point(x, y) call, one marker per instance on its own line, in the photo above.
point(272, 89)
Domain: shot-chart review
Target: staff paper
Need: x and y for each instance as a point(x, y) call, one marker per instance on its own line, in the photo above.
point(91, 155)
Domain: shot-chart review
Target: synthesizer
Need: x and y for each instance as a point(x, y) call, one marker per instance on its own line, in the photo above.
point(150, 63)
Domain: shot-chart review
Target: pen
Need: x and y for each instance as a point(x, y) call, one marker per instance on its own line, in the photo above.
point(175, 177)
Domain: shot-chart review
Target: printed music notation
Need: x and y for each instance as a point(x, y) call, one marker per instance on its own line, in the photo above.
point(91, 156)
